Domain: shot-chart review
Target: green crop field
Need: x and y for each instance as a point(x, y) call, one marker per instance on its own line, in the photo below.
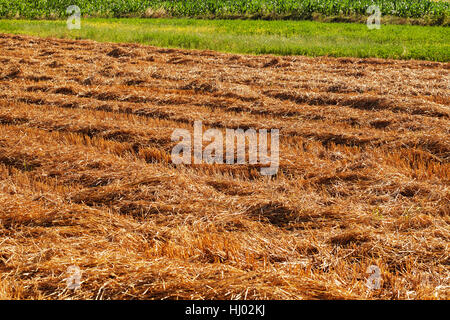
point(178, 25)
point(434, 12)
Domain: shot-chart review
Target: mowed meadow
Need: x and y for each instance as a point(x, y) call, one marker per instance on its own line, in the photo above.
point(86, 177)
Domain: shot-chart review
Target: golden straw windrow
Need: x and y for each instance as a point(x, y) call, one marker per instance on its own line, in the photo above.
point(87, 179)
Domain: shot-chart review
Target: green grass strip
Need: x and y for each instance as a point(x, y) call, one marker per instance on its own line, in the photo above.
point(256, 36)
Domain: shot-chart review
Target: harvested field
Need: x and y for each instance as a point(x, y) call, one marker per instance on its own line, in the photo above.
point(86, 177)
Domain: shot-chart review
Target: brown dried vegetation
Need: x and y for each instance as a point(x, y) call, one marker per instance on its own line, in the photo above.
point(86, 177)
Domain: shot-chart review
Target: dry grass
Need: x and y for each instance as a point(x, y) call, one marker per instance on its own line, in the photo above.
point(86, 177)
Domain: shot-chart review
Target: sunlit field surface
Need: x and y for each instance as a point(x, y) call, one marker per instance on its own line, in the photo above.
point(93, 205)
point(86, 176)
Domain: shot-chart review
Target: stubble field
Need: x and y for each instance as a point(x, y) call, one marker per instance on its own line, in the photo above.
point(86, 177)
